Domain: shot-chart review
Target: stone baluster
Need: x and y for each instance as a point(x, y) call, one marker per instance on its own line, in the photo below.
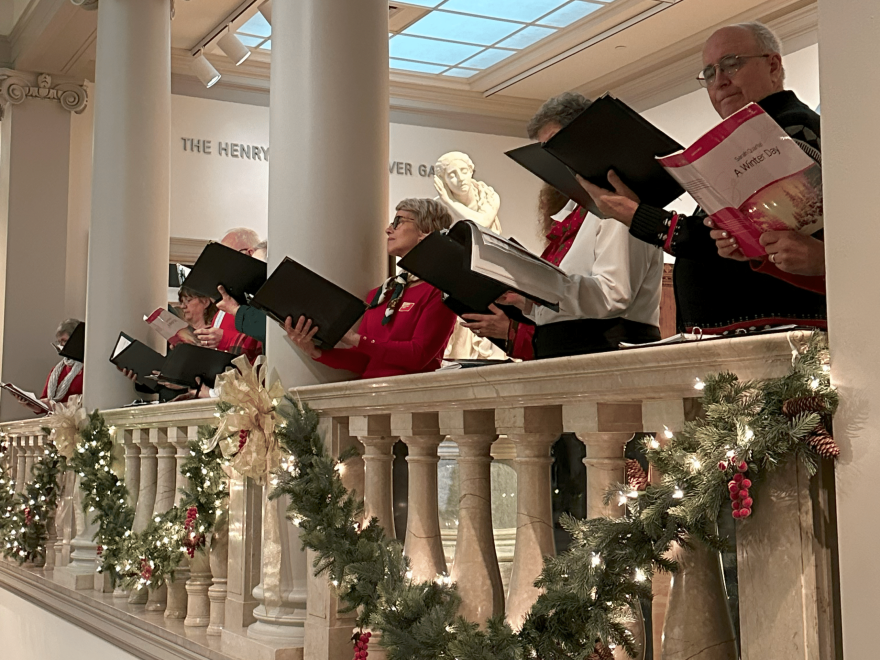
point(244, 556)
point(30, 454)
point(374, 431)
point(327, 631)
point(21, 473)
point(146, 495)
point(79, 573)
point(12, 457)
point(423, 545)
point(198, 606)
point(605, 429)
point(128, 439)
point(659, 417)
point(533, 431)
point(175, 605)
point(219, 560)
point(475, 567)
point(166, 481)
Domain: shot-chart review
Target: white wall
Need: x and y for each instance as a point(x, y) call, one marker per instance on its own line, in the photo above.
point(29, 632)
point(211, 192)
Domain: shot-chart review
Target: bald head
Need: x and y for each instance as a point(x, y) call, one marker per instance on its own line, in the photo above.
point(241, 239)
point(759, 71)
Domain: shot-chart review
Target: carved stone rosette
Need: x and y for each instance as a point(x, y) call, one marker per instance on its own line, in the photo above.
point(16, 87)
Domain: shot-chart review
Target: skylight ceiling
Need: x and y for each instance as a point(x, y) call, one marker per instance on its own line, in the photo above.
point(460, 38)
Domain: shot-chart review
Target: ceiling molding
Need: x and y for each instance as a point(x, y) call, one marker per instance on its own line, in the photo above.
point(186, 250)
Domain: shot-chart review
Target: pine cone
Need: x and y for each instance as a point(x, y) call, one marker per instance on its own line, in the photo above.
point(601, 652)
point(803, 404)
point(636, 478)
point(822, 441)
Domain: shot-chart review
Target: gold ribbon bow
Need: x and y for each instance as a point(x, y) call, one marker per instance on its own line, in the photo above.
point(66, 421)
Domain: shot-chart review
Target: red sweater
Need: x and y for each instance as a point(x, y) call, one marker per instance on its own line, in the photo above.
point(413, 342)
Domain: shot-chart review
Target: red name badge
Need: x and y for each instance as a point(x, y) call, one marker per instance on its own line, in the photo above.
point(405, 307)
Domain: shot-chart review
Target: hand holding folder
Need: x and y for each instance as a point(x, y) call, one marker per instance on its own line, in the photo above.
point(240, 274)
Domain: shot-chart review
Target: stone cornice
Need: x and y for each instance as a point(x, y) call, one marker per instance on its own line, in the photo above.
point(90, 5)
point(18, 86)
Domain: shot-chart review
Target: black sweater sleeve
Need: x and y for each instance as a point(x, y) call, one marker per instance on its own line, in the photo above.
point(689, 236)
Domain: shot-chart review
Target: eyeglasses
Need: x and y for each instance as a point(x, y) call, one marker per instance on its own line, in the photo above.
point(398, 219)
point(729, 65)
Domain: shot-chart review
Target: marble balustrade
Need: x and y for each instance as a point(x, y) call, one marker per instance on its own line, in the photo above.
point(516, 411)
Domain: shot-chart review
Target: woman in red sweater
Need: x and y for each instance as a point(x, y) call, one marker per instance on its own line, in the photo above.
point(407, 326)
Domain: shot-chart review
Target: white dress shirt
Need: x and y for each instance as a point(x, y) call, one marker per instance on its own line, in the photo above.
point(610, 275)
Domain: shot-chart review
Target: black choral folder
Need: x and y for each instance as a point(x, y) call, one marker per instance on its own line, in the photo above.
point(609, 135)
point(75, 348)
point(551, 170)
point(237, 272)
point(186, 362)
point(293, 290)
point(445, 263)
point(136, 356)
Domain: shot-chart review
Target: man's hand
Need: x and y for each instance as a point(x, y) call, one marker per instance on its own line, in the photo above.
point(725, 243)
point(495, 324)
point(302, 334)
point(620, 204)
point(128, 373)
point(795, 253)
point(209, 337)
point(227, 303)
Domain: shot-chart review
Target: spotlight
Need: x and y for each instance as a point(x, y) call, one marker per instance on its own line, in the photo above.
point(266, 11)
point(204, 70)
point(233, 48)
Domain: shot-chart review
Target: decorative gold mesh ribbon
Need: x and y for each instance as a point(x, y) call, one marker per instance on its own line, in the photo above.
point(66, 421)
point(253, 411)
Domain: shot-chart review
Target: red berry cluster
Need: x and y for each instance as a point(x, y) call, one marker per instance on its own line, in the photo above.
point(100, 550)
point(28, 516)
point(738, 488)
point(193, 540)
point(242, 438)
point(362, 641)
point(146, 569)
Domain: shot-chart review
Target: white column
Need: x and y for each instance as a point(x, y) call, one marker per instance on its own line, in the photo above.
point(533, 432)
point(475, 567)
point(329, 109)
point(424, 547)
point(128, 241)
point(849, 35)
point(34, 181)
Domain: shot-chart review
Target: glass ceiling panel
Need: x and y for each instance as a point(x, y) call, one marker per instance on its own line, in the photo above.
point(487, 58)
point(458, 27)
point(430, 50)
point(459, 38)
point(526, 37)
point(574, 11)
point(257, 25)
point(515, 10)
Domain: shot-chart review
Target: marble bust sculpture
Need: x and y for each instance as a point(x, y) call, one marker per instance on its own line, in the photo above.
point(465, 197)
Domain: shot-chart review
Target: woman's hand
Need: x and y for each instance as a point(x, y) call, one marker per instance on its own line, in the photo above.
point(495, 325)
point(128, 373)
point(620, 204)
point(302, 335)
point(795, 253)
point(227, 303)
point(725, 243)
point(209, 337)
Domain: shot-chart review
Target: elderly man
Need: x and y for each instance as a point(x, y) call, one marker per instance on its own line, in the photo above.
point(716, 288)
point(242, 239)
point(613, 284)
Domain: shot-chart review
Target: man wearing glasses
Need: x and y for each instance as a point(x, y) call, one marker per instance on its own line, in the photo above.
point(717, 289)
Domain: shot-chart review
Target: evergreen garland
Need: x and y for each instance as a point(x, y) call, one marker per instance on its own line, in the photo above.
point(24, 525)
point(591, 591)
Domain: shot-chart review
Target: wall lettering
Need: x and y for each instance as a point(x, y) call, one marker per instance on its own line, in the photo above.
point(399, 168)
point(226, 149)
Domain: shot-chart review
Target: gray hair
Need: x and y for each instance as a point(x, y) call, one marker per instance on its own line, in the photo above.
point(66, 328)
point(560, 110)
point(244, 236)
point(432, 215)
point(765, 38)
point(262, 245)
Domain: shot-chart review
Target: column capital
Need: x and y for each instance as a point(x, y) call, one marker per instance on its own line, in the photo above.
point(88, 5)
point(18, 86)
